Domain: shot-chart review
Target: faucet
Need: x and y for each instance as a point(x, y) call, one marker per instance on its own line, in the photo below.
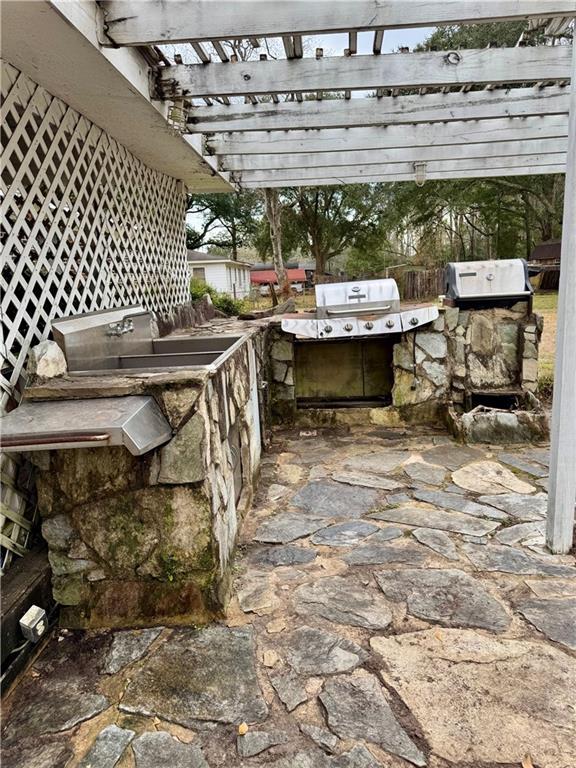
point(126, 325)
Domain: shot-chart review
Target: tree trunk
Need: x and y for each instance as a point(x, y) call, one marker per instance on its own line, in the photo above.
point(273, 216)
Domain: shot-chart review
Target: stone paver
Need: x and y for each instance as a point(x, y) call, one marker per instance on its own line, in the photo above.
point(419, 517)
point(352, 639)
point(312, 651)
point(499, 557)
point(161, 750)
point(448, 597)
point(489, 477)
point(367, 479)
point(290, 690)
point(288, 526)
point(197, 676)
point(438, 541)
point(452, 456)
point(255, 742)
point(356, 708)
point(459, 503)
point(516, 534)
point(286, 555)
point(128, 647)
point(325, 498)
point(108, 747)
point(555, 618)
point(378, 554)
point(344, 534)
point(324, 738)
point(380, 461)
point(342, 601)
point(519, 506)
point(431, 474)
point(524, 465)
point(484, 700)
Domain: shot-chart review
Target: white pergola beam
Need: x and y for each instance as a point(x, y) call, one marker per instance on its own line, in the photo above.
point(310, 161)
point(562, 482)
point(341, 113)
point(386, 137)
point(314, 175)
point(457, 173)
point(127, 22)
point(392, 70)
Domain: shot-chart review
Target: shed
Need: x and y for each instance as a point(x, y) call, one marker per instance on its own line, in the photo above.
point(544, 265)
point(224, 274)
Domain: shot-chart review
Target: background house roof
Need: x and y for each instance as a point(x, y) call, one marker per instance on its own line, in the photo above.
point(198, 257)
point(265, 276)
point(547, 251)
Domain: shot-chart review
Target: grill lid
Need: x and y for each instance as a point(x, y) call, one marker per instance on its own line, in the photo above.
point(496, 279)
point(354, 298)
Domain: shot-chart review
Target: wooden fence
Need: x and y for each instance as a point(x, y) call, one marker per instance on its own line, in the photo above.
point(420, 284)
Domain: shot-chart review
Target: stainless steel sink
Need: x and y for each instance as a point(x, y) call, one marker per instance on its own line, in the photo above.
point(192, 352)
point(104, 343)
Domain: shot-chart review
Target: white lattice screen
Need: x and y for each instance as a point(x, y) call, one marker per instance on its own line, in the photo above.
point(85, 224)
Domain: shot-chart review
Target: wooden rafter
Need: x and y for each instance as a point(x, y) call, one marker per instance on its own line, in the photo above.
point(345, 172)
point(155, 22)
point(340, 113)
point(317, 162)
point(393, 70)
point(354, 139)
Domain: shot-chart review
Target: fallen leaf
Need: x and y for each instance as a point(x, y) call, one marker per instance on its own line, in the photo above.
point(242, 729)
point(527, 762)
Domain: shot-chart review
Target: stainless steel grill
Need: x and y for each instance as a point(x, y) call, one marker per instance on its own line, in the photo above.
point(470, 282)
point(360, 308)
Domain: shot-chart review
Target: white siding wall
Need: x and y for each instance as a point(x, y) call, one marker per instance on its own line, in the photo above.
point(224, 276)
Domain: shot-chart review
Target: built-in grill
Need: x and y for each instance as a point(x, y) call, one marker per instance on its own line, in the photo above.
point(486, 282)
point(361, 308)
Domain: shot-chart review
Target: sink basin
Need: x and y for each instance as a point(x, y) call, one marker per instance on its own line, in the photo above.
point(192, 352)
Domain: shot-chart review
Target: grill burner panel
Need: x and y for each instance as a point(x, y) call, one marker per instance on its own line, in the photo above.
point(358, 309)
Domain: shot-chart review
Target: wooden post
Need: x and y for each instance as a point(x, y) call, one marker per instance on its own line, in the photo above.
point(562, 484)
point(273, 216)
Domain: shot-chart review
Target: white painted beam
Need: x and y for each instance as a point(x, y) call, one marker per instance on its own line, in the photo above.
point(562, 482)
point(156, 21)
point(312, 175)
point(370, 157)
point(385, 137)
point(392, 70)
point(458, 173)
point(341, 113)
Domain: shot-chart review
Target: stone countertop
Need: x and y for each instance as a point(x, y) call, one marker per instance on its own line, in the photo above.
point(69, 387)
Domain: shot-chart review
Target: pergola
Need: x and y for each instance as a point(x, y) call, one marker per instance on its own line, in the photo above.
point(296, 120)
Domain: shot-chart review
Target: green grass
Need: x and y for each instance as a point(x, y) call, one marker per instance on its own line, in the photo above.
point(547, 301)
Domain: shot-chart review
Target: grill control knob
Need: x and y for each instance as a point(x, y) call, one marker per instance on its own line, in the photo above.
point(389, 323)
point(369, 325)
point(348, 327)
point(327, 329)
point(413, 321)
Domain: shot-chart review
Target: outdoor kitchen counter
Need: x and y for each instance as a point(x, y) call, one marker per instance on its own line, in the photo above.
point(141, 540)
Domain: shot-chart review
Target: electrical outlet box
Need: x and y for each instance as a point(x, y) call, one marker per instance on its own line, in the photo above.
point(34, 623)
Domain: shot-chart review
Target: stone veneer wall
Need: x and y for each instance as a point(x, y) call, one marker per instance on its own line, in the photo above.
point(139, 540)
point(462, 351)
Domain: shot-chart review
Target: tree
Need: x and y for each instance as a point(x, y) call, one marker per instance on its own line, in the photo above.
point(274, 216)
point(228, 221)
point(324, 222)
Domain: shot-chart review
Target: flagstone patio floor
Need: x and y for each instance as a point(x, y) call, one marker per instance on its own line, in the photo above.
point(394, 605)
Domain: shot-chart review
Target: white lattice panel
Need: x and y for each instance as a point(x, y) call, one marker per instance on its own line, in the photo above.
point(85, 224)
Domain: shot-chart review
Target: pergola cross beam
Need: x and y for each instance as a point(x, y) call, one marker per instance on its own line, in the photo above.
point(388, 110)
point(391, 71)
point(155, 22)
